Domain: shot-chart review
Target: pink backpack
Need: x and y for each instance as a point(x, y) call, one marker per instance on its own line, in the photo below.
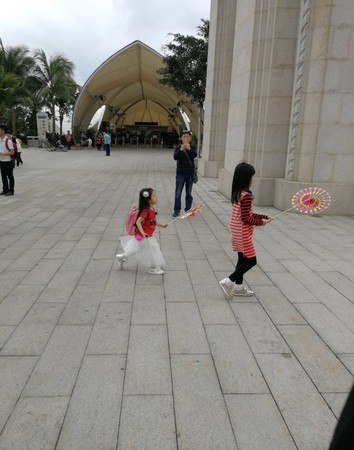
point(130, 221)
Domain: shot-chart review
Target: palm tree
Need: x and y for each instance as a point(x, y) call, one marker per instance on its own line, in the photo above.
point(56, 77)
point(15, 70)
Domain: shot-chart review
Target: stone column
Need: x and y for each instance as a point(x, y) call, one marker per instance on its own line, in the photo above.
point(221, 39)
point(261, 92)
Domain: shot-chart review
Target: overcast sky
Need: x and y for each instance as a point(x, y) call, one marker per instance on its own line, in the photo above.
point(90, 31)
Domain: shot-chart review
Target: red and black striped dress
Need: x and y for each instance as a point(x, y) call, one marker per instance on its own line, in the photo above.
point(241, 225)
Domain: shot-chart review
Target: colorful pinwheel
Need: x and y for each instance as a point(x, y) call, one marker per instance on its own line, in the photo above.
point(190, 213)
point(309, 200)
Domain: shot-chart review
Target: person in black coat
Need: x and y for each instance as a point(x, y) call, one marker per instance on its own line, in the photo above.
point(184, 154)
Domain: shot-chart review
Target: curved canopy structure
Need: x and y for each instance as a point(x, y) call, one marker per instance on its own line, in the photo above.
point(127, 84)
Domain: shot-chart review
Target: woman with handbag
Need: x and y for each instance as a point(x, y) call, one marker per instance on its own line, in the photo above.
point(184, 154)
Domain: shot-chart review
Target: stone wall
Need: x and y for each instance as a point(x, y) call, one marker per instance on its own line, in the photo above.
point(290, 110)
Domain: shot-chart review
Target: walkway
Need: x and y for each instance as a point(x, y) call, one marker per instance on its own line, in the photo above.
point(97, 358)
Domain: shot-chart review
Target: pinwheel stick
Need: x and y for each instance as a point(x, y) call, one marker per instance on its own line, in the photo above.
point(190, 213)
point(283, 212)
point(178, 217)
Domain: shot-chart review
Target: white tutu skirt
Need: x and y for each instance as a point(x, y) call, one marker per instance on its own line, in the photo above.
point(147, 251)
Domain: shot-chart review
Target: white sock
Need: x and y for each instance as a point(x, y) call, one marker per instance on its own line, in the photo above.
point(238, 286)
point(228, 282)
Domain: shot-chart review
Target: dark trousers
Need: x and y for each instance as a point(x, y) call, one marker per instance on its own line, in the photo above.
point(19, 159)
point(243, 265)
point(7, 176)
point(181, 181)
point(107, 147)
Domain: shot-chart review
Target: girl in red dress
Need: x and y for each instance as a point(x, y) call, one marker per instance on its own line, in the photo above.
point(243, 220)
point(143, 243)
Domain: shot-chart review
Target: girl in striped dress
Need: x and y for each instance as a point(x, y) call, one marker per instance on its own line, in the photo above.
point(243, 220)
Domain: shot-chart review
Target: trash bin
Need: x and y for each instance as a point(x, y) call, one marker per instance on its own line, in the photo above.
point(33, 141)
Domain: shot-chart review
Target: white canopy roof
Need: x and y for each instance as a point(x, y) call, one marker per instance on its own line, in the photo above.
point(127, 84)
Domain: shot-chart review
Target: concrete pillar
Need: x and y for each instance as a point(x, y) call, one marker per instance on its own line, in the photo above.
point(222, 30)
point(261, 92)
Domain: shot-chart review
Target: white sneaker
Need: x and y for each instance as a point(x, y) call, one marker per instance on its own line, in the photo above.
point(122, 258)
point(156, 271)
point(228, 289)
point(242, 292)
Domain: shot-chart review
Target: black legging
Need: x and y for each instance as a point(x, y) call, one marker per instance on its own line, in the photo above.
point(243, 265)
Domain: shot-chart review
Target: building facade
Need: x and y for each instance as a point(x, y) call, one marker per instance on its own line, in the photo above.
point(280, 95)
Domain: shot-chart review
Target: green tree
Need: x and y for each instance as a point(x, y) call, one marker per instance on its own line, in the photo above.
point(185, 67)
point(185, 63)
point(15, 72)
point(56, 77)
point(66, 105)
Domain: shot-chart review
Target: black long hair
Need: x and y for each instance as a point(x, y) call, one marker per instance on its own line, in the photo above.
point(144, 199)
point(241, 181)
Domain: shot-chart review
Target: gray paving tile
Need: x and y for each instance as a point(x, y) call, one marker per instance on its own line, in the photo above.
point(334, 300)
point(178, 287)
point(148, 365)
point(256, 277)
point(77, 260)
point(292, 288)
point(74, 234)
point(92, 419)
point(336, 402)
point(147, 423)
point(236, 367)
point(308, 417)
point(110, 333)
point(277, 306)
point(149, 304)
point(16, 305)
point(9, 280)
point(303, 281)
point(61, 286)
point(32, 335)
point(322, 365)
point(213, 307)
point(185, 329)
point(43, 272)
point(261, 334)
point(29, 259)
point(5, 333)
point(34, 424)
point(47, 241)
point(61, 250)
point(344, 285)
point(83, 305)
point(105, 250)
point(348, 361)
point(14, 373)
point(326, 324)
point(258, 423)
point(56, 371)
point(200, 272)
point(120, 285)
point(201, 416)
point(96, 272)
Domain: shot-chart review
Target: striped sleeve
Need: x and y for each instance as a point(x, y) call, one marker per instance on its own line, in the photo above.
point(247, 216)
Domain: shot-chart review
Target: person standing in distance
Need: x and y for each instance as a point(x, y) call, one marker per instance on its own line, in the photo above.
point(6, 163)
point(184, 154)
point(107, 143)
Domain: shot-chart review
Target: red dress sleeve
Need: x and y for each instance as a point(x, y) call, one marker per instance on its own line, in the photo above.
point(247, 216)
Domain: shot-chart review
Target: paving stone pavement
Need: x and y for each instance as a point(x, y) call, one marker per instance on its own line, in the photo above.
point(97, 358)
